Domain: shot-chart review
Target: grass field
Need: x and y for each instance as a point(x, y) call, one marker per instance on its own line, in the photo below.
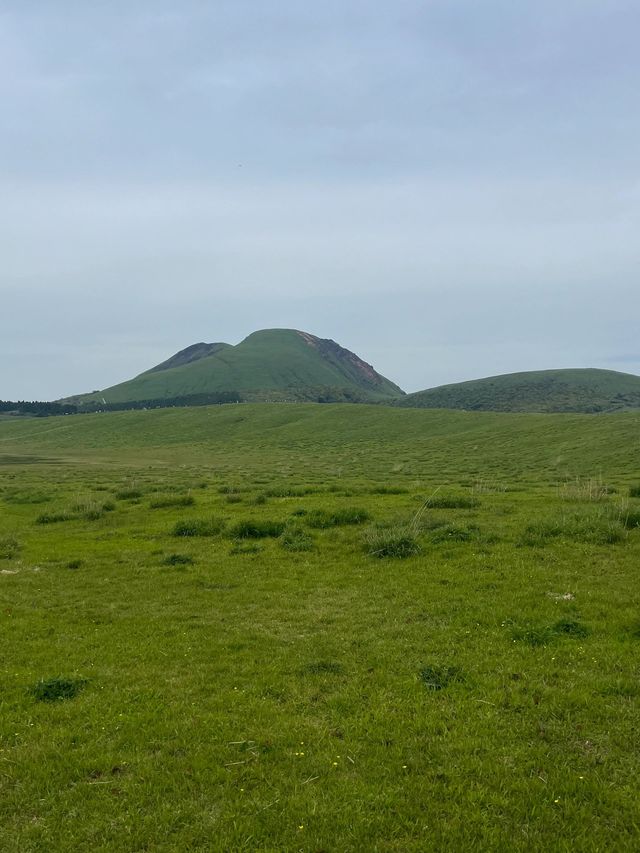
point(319, 628)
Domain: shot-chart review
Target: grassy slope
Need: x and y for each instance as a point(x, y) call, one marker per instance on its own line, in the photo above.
point(274, 359)
point(580, 390)
point(366, 439)
point(273, 700)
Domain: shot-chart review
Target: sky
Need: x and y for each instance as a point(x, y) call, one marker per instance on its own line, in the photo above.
point(449, 188)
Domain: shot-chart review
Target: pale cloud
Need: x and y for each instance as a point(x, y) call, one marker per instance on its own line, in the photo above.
point(448, 188)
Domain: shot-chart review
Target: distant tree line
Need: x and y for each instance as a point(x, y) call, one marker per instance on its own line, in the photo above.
point(41, 409)
point(211, 399)
point(318, 394)
point(36, 408)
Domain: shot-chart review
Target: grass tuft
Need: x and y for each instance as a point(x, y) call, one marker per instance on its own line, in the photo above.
point(290, 491)
point(178, 560)
point(128, 494)
point(397, 542)
point(438, 677)
point(542, 635)
point(570, 628)
point(9, 547)
point(250, 529)
point(54, 517)
point(631, 518)
point(603, 527)
point(245, 547)
point(321, 519)
point(199, 527)
point(169, 501)
point(296, 538)
point(91, 510)
point(452, 502)
point(57, 689)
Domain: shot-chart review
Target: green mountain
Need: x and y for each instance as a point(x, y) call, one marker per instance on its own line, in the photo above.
point(273, 364)
point(580, 390)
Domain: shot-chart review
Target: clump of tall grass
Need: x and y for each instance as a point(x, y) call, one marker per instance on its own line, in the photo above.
point(399, 542)
point(251, 529)
point(290, 491)
point(91, 510)
point(226, 489)
point(436, 677)
point(585, 489)
point(487, 487)
point(128, 494)
point(199, 527)
point(437, 501)
point(634, 491)
point(321, 519)
point(167, 501)
point(9, 547)
point(244, 546)
point(57, 689)
point(607, 526)
point(296, 538)
point(542, 635)
point(631, 518)
point(54, 517)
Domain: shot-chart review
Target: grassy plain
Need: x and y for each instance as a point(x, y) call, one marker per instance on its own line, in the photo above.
point(205, 647)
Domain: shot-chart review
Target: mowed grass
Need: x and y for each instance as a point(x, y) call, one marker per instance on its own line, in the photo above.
point(262, 681)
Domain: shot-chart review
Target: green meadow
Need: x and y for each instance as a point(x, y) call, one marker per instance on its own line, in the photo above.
point(271, 627)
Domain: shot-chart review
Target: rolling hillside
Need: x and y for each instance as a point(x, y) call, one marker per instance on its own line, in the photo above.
point(580, 390)
point(336, 441)
point(273, 364)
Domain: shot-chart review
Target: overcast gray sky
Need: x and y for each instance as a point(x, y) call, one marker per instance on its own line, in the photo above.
point(451, 188)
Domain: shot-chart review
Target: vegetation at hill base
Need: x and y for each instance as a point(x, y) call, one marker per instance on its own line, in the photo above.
point(407, 630)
